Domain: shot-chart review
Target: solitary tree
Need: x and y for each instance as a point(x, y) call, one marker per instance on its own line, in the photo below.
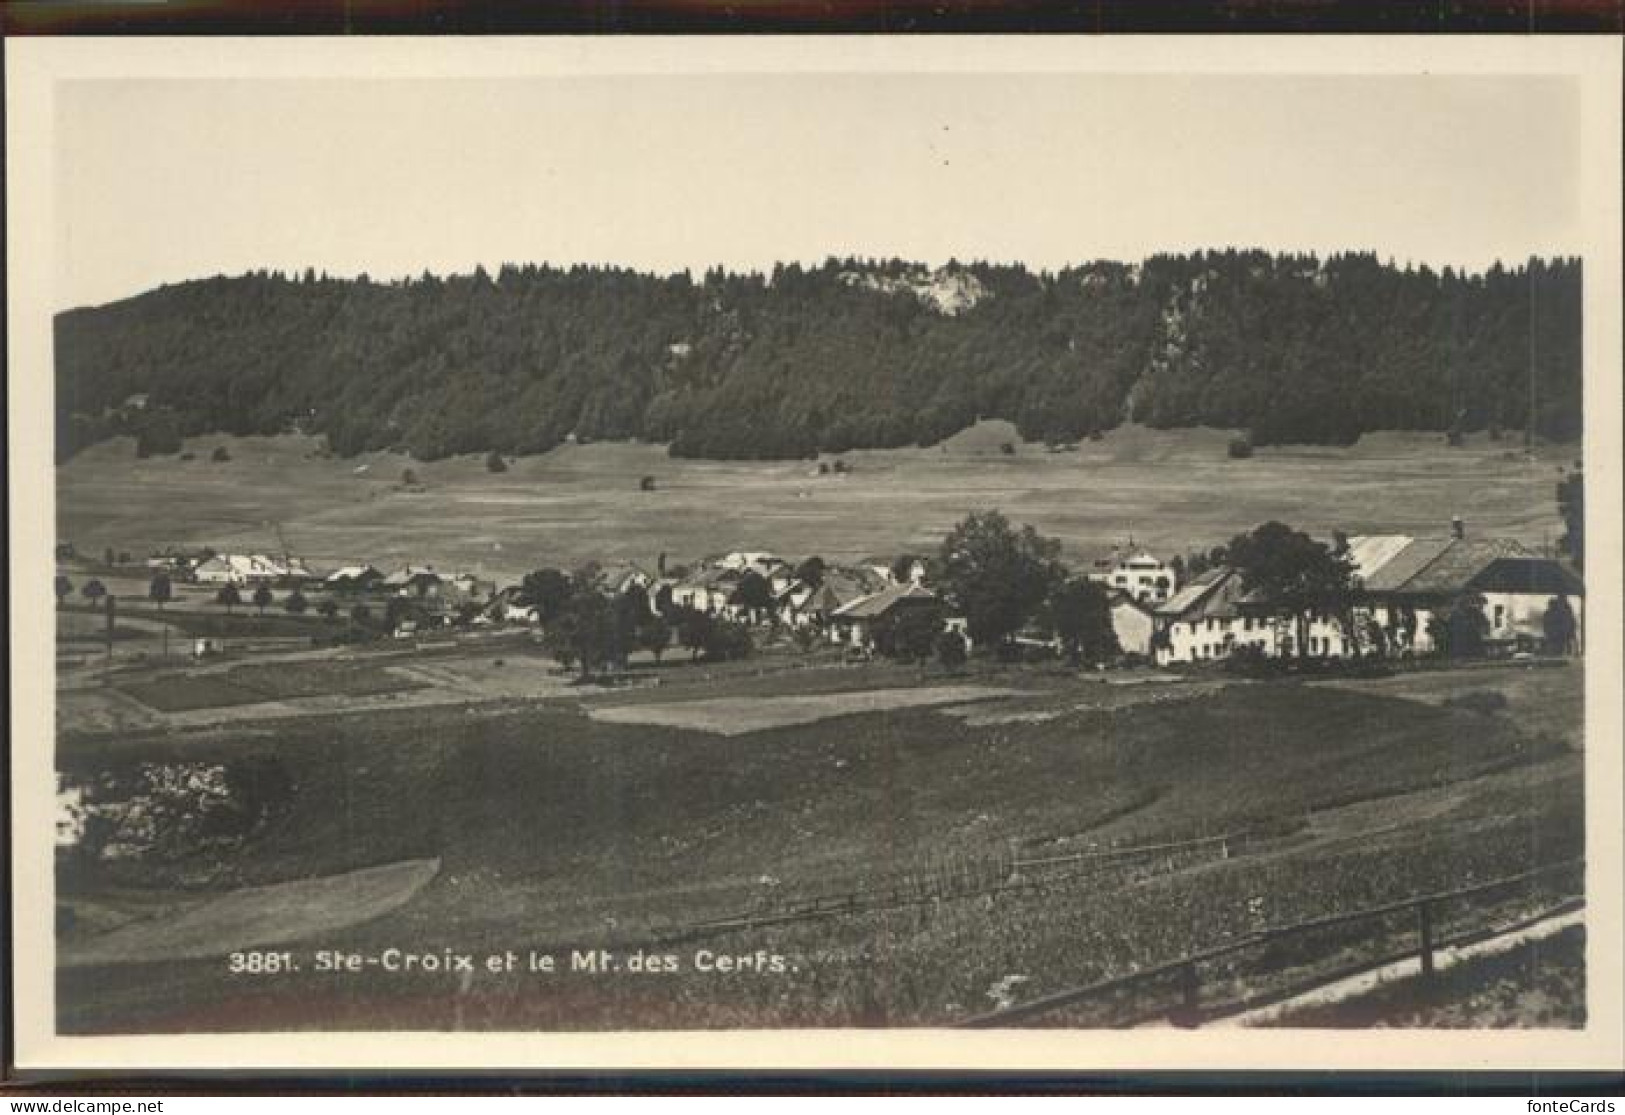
point(1081, 614)
point(1559, 626)
point(495, 463)
point(584, 633)
point(754, 594)
point(694, 629)
point(811, 571)
point(263, 597)
point(1460, 631)
point(328, 608)
point(909, 634)
point(228, 596)
point(546, 590)
point(654, 635)
point(93, 591)
point(295, 603)
point(997, 576)
point(1295, 576)
point(64, 588)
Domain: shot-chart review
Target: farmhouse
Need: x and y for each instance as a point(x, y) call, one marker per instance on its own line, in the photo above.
point(413, 580)
point(1517, 592)
point(854, 624)
point(1404, 582)
point(708, 590)
point(1135, 571)
point(805, 606)
point(1402, 585)
point(1213, 616)
point(239, 569)
point(353, 578)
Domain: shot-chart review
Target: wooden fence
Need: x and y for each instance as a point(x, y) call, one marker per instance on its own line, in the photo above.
point(1185, 972)
point(970, 876)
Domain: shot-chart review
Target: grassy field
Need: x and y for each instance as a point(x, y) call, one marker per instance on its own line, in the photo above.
point(556, 830)
point(1159, 486)
point(247, 685)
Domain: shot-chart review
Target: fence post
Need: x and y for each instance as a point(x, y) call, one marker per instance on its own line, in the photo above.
point(1186, 1014)
point(1424, 925)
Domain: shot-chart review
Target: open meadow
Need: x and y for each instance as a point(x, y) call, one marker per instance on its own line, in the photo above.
point(909, 845)
point(1173, 490)
point(917, 845)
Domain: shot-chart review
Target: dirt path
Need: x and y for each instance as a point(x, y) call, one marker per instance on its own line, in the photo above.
point(1352, 987)
point(259, 916)
point(732, 716)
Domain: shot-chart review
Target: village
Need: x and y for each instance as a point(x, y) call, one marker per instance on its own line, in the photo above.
point(1400, 597)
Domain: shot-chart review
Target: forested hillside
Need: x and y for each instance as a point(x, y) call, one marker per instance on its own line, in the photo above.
point(850, 354)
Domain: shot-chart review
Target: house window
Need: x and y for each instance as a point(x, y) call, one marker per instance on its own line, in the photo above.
point(1500, 615)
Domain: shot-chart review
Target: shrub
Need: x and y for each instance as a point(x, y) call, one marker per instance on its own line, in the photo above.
point(951, 648)
point(221, 453)
point(1249, 661)
point(495, 463)
point(729, 641)
point(1241, 448)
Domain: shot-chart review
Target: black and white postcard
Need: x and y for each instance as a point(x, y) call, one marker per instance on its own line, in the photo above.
point(849, 553)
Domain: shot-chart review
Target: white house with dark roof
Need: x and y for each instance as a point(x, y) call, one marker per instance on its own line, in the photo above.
point(1136, 572)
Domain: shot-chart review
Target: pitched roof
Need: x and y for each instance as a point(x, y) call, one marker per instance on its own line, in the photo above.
point(1368, 553)
point(1404, 564)
point(1533, 576)
point(1193, 593)
point(1425, 566)
point(879, 603)
point(353, 572)
point(408, 573)
point(618, 574)
point(1118, 597)
point(1461, 561)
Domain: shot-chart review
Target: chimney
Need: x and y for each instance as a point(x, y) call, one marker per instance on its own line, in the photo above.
point(1457, 528)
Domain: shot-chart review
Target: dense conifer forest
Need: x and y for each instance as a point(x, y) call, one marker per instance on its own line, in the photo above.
point(850, 354)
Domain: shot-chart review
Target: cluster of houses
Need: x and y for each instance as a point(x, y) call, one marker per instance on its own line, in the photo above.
point(1401, 582)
